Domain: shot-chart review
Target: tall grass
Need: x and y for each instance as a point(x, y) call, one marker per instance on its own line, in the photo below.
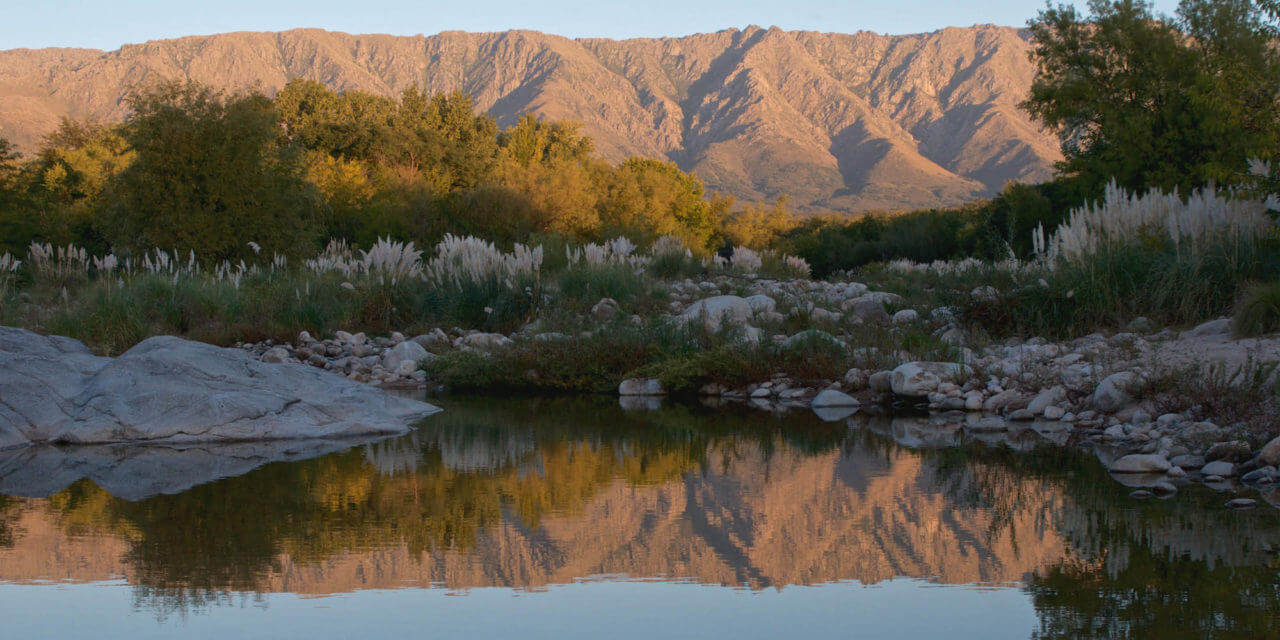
point(1155, 255)
point(1207, 221)
point(670, 258)
point(473, 282)
point(113, 302)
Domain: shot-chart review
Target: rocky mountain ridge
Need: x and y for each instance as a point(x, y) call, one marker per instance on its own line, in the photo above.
point(832, 121)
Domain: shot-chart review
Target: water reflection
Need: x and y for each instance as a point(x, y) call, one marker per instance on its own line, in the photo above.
point(531, 493)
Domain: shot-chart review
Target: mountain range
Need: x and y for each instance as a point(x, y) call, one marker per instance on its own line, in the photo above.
point(834, 122)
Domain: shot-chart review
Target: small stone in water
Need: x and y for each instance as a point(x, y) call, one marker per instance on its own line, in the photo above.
point(1242, 503)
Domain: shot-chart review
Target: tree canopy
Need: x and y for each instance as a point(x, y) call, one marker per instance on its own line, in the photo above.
point(208, 175)
point(1155, 101)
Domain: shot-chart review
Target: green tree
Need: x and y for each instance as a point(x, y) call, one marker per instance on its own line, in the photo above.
point(445, 139)
point(649, 198)
point(16, 223)
point(354, 125)
point(1154, 101)
point(209, 175)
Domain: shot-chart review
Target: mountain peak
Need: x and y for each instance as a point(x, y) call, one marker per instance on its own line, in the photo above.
point(833, 121)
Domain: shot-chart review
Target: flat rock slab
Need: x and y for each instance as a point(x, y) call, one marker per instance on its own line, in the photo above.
point(170, 390)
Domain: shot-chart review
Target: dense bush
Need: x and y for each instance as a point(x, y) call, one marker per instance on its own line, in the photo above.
point(1258, 311)
point(208, 176)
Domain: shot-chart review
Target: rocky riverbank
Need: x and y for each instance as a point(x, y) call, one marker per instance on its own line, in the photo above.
point(1102, 391)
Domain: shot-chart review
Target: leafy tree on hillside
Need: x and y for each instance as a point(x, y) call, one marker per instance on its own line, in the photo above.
point(210, 176)
point(16, 223)
point(1155, 101)
point(650, 198)
point(352, 124)
point(452, 145)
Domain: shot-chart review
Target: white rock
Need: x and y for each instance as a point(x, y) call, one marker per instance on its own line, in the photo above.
point(484, 341)
point(640, 387)
point(868, 310)
point(170, 390)
point(405, 352)
point(833, 398)
point(905, 316)
point(276, 355)
point(716, 312)
point(1211, 328)
point(1045, 399)
point(1140, 463)
point(918, 379)
point(1270, 453)
point(1112, 393)
point(973, 400)
point(1218, 468)
point(604, 309)
point(761, 303)
point(818, 314)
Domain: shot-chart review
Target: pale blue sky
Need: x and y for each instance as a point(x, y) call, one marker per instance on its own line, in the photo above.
point(108, 24)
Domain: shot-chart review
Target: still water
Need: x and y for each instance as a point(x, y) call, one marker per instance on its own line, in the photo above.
point(574, 518)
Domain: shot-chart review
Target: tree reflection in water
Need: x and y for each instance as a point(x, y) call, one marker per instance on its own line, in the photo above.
point(529, 492)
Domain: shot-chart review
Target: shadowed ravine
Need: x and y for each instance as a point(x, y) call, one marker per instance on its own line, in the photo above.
point(530, 493)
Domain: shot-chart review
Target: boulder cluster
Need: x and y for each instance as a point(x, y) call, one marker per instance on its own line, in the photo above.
point(1087, 386)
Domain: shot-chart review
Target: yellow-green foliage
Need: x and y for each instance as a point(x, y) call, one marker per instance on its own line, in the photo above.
point(193, 168)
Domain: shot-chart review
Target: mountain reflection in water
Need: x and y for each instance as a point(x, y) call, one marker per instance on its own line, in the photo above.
point(528, 493)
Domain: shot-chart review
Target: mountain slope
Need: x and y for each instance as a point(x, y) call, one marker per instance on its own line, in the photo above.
point(833, 121)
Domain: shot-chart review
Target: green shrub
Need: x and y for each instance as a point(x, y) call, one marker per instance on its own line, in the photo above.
point(468, 370)
point(584, 284)
point(1258, 311)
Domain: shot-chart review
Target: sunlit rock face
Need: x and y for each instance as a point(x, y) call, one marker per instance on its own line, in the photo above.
point(836, 122)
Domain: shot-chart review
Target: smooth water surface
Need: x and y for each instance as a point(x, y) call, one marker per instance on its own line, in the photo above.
point(574, 518)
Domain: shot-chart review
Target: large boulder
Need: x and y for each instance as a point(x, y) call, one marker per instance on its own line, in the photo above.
point(869, 310)
point(718, 311)
point(1046, 399)
point(833, 398)
point(1270, 453)
point(40, 376)
point(407, 351)
point(640, 387)
point(761, 303)
point(1141, 463)
point(170, 390)
point(1113, 394)
point(1221, 326)
point(1220, 468)
point(919, 379)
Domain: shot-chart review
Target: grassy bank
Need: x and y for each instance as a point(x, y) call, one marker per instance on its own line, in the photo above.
point(582, 318)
